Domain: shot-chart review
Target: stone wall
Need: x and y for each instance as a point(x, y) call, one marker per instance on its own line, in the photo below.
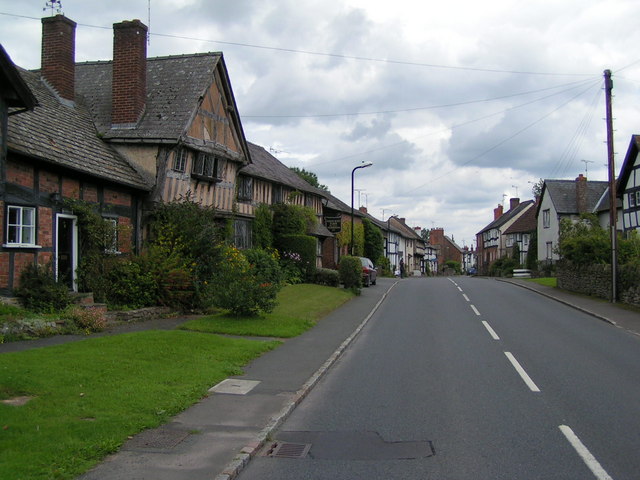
point(595, 280)
point(592, 280)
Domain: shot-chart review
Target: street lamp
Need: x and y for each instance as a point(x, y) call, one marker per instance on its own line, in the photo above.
point(364, 165)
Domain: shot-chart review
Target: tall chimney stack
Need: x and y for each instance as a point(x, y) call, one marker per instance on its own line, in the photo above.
point(513, 203)
point(581, 193)
point(58, 53)
point(497, 212)
point(129, 88)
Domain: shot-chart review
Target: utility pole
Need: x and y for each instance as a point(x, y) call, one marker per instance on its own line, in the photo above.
point(608, 87)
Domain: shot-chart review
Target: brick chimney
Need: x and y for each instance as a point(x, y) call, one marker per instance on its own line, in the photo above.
point(436, 236)
point(581, 194)
point(363, 209)
point(58, 53)
point(129, 88)
point(497, 212)
point(513, 203)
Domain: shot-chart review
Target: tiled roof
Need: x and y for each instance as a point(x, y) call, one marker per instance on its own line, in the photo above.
point(174, 86)
point(266, 166)
point(65, 135)
point(508, 215)
point(525, 223)
point(563, 194)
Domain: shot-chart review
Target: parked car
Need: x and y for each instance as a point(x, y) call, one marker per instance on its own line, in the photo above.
point(369, 272)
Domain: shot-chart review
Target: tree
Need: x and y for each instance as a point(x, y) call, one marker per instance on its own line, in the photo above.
point(424, 233)
point(536, 189)
point(310, 177)
point(373, 240)
point(584, 242)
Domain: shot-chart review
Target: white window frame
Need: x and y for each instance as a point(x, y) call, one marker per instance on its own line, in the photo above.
point(638, 198)
point(113, 248)
point(180, 160)
point(546, 218)
point(20, 226)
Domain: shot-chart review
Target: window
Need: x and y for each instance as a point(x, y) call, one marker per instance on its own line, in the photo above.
point(242, 234)
point(549, 250)
point(21, 226)
point(180, 160)
point(245, 188)
point(638, 198)
point(209, 167)
point(111, 235)
point(276, 194)
point(546, 218)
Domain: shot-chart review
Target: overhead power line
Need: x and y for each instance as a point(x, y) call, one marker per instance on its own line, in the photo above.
point(337, 55)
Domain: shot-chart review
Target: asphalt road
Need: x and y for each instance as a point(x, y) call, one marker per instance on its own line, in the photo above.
point(470, 378)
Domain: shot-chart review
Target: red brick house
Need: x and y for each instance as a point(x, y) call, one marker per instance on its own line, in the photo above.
point(53, 152)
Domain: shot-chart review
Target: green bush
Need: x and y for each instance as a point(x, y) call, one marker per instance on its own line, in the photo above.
point(240, 287)
point(305, 247)
point(503, 267)
point(130, 285)
point(373, 240)
point(87, 320)
point(262, 227)
point(455, 266)
point(264, 264)
point(326, 276)
point(384, 266)
point(40, 292)
point(350, 270)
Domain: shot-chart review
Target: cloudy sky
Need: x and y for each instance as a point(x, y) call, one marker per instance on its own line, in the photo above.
point(460, 105)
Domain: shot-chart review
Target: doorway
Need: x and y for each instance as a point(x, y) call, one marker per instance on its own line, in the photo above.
point(66, 250)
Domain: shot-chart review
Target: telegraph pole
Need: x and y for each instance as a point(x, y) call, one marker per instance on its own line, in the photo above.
point(608, 87)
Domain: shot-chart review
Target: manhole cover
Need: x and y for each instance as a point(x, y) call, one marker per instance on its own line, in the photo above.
point(289, 450)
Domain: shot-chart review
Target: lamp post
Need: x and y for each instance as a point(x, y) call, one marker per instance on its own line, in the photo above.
point(364, 165)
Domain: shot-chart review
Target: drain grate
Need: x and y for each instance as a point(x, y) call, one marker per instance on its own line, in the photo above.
point(289, 450)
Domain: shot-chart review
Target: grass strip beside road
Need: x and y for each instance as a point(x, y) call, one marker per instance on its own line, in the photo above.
point(547, 281)
point(89, 396)
point(299, 308)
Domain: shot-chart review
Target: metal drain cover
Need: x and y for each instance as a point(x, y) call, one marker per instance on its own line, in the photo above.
point(289, 450)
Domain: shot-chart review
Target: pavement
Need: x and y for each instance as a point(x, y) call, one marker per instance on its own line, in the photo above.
point(217, 437)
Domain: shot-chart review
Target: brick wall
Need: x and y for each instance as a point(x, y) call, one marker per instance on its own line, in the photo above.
point(114, 197)
point(45, 226)
point(70, 188)
point(20, 174)
point(49, 182)
point(90, 193)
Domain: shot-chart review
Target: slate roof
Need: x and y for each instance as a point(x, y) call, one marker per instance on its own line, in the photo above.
point(174, 85)
point(563, 194)
point(64, 134)
point(508, 215)
point(13, 89)
point(265, 166)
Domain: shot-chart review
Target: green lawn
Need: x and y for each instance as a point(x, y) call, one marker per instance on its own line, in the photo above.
point(299, 308)
point(548, 281)
point(89, 396)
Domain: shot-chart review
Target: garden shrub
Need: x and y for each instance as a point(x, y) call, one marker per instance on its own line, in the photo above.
point(503, 267)
point(305, 247)
point(292, 268)
point(350, 270)
point(373, 240)
point(326, 276)
point(265, 265)
point(86, 319)
point(40, 292)
point(262, 227)
point(130, 285)
point(384, 266)
point(240, 288)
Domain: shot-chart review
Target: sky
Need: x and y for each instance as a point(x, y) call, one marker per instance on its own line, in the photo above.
point(459, 105)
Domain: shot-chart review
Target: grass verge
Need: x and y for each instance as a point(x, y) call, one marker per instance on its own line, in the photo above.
point(299, 308)
point(89, 396)
point(548, 281)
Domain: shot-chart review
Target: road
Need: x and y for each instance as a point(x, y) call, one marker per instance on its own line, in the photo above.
point(470, 378)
